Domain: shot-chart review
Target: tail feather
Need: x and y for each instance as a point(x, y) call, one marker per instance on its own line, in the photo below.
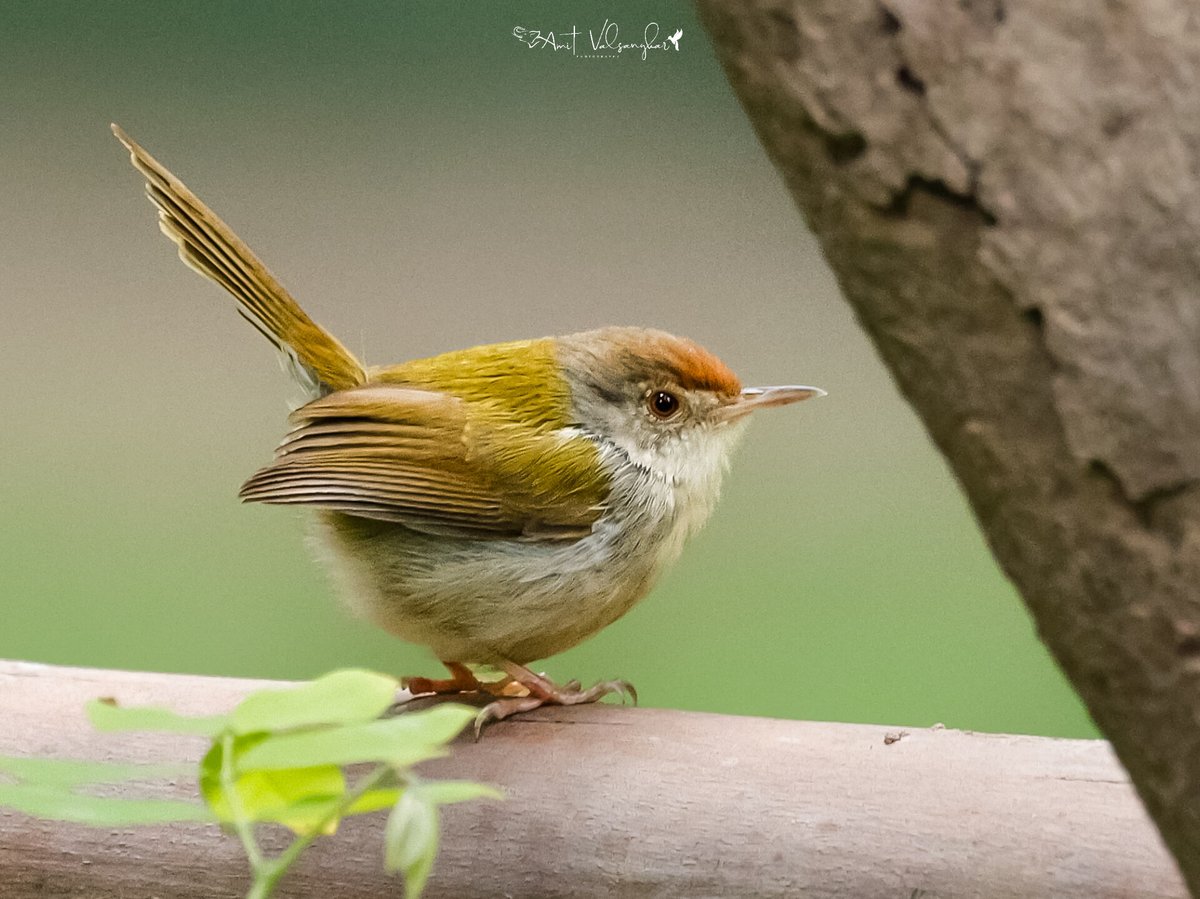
point(207, 245)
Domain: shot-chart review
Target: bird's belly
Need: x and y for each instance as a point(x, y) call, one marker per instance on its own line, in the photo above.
point(487, 600)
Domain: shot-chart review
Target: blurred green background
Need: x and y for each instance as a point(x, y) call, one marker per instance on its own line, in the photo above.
point(422, 181)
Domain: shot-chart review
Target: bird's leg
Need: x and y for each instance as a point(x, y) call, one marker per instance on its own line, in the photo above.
point(461, 680)
point(543, 691)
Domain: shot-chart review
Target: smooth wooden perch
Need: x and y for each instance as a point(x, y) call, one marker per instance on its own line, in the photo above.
point(611, 801)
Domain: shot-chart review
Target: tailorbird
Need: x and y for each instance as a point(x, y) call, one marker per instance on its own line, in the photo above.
point(498, 504)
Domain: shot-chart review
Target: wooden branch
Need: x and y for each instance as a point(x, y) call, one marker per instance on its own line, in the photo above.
point(610, 801)
point(1007, 192)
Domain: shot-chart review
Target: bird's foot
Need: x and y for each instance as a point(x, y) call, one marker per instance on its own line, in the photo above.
point(540, 691)
point(461, 680)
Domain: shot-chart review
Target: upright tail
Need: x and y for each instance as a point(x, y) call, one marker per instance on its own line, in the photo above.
point(316, 358)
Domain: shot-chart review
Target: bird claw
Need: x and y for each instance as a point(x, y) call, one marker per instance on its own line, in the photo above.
point(521, 690)
point(542, 691)
point(499, 709)
point(626, 689)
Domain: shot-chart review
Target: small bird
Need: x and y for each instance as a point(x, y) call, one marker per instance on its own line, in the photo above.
point(674, 38)
point(498, 504)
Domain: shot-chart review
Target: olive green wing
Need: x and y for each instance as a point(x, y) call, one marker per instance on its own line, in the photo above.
point(432, 462)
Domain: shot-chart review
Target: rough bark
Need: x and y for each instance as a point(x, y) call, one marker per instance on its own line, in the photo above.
point(610, 801)
point(1008, 193)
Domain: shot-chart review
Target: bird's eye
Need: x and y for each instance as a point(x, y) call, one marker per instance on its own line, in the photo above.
point(663, 404)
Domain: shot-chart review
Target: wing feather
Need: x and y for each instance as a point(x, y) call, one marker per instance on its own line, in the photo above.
point(406, 455)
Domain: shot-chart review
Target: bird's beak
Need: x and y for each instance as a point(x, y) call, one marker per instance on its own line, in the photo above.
point(752, 398)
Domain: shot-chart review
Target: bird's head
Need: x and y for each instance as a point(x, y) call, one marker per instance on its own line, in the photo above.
point(668, 404)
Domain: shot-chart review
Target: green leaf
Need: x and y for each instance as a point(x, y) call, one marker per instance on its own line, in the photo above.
point(344, 746)
point(106, 715)
point(349, 696)
point(98, 811)
point(210, 764)
point(411, 840)
point(298, 798)
point(71, 773)
point(371, 801)
point(401, 741)
point(374, 800)
point(411, 835)
point(445, 792)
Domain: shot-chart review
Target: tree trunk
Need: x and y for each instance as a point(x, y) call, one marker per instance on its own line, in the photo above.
point(1008, 193)
point(608, 801)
